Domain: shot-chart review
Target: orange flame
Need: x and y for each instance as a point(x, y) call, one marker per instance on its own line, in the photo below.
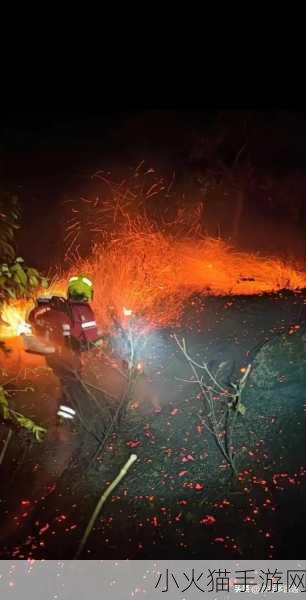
point(13, 318)
point(154, 274)
point(154, 270)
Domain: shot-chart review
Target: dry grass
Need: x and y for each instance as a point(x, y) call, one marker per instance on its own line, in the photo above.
point(153, 265)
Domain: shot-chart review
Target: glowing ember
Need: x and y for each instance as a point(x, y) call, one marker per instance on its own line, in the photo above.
point(151, 260)
point(208, 520)
point(141, 268)
point(155, 275)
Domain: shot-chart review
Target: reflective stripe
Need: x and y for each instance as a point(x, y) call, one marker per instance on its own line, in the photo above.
point(89, 324)
point(86, 280)
point(64, 415)
point(42, 311)
point(67, 409)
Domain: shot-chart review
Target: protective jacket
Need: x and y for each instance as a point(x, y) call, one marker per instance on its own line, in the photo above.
point(59, 321)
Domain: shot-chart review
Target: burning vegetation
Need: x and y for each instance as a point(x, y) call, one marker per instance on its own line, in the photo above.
point(151, 261)
point(196, 412)
point(141, 257)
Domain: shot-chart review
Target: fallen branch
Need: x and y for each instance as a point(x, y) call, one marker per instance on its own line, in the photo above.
point(5, 446)
point(132, 338)
point(220, 426)
point(120, 410)
point(102, 500)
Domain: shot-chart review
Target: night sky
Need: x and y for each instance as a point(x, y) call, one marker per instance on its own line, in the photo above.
point(48, 157)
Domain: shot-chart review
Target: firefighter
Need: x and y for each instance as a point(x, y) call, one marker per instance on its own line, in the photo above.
point(59, 324)
point(61, 329)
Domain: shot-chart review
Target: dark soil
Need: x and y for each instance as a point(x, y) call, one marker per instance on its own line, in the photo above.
point(180, 499)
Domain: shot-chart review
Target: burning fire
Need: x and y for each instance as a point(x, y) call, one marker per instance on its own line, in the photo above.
point(149, 254)
point(154, 269)
point(13, 319)
point(155, 275)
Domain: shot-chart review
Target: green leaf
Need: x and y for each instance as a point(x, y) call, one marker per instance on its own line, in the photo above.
point(33, 281)
point(4, 404)
point(39, 433)
point(32, 272)
point(24, 421)
point(241, 408)
point(20, 275)
point(36, 430)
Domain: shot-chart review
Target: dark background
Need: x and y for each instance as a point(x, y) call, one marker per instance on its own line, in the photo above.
point(48, 157)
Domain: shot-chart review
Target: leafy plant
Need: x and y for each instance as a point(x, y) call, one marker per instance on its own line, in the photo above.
point(19, 281)
point(11, 416)
point(16, 279)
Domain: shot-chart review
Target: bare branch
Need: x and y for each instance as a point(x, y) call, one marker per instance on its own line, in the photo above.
point(220, 426)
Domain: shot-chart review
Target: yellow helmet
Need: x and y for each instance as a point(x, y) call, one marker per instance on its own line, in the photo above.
point(80, 287)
